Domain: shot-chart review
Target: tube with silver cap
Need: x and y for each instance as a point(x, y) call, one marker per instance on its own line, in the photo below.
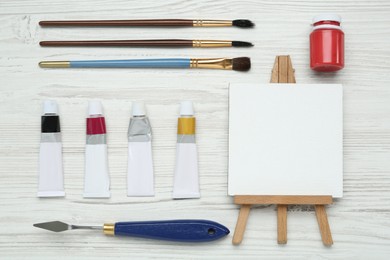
point(140, 180)
point(186, 179)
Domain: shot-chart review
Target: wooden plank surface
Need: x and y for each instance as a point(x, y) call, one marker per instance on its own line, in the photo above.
point(360, 221)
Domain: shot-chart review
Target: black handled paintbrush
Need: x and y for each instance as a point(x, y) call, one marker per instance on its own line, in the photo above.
point(148, 43)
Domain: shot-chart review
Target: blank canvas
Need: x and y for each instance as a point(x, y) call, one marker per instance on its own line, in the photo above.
point(285, 139)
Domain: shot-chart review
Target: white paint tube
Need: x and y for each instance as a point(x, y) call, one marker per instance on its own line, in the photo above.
point(140, 179)
point(96, 179)
point(51, 178)
point(186, 179)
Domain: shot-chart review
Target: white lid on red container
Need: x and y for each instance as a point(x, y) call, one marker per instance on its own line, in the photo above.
point(327, 17)
point(95, 108)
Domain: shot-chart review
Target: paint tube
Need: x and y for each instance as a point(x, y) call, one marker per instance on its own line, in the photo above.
point(96, 179)
point(51, 178)
point(186, 180)
point(140, 180)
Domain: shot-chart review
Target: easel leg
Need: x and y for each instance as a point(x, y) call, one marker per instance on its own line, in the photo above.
point(323, 224)
point(241, 224)
point(282, 224)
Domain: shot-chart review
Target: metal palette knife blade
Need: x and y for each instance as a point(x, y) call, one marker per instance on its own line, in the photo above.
point(55, 226)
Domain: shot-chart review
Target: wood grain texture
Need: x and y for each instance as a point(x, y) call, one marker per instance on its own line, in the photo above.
point(360, 221)
point(242, 219)
point(284, 199)
point(323, 224)
point(282, 223)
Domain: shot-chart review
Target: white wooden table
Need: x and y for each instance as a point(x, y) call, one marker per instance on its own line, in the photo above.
point(360, 221)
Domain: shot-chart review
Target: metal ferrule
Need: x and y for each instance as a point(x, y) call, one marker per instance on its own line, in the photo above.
point(210, 44)
point(139, 130)
point(220, 63)
point(54, 64)
point(109, 229)
point(212, 23)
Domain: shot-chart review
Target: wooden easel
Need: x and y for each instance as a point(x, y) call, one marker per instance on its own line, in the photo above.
point(283, 72)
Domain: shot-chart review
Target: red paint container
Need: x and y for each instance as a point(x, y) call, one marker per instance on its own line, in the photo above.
point(327, 43)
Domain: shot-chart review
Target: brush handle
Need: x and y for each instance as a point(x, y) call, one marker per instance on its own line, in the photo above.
point(142, 63)
point(152, 22)
point(124, 43)
point(173, 230)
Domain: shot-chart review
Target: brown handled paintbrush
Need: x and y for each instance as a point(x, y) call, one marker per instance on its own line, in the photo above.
point(147, 43)
point(242, 23)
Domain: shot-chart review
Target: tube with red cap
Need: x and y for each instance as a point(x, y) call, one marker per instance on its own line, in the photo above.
point(96, 179)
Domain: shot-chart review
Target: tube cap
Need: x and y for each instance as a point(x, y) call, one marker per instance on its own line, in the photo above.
point(327, 17)
point(50, 107)
point(95, 108)
point(138, 109)
point(186, 108)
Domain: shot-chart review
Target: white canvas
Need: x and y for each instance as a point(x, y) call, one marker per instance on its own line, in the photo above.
point(285, 139)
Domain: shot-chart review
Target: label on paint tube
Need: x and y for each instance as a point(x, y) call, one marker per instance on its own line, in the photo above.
point(186, 183)
point(96, 182)
point(96, 179)
point(51, 180)
point(140, 177)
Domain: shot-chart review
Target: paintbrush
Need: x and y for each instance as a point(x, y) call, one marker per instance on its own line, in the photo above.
point(238, 64)
point(148, 43)
point(241, 23)
point(186, 230)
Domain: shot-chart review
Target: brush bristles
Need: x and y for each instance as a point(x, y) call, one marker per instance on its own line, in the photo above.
point(243, 23)
point(241, 64)
point(241, 44)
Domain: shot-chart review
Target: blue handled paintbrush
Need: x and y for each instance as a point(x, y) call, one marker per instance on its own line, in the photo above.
point(238, 64)
point(185, 230)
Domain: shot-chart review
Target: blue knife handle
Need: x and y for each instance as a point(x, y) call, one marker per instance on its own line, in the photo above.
point(142, 63)
point(173, 230)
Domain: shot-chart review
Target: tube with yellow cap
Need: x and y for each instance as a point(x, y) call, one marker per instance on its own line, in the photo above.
point(186, 180)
